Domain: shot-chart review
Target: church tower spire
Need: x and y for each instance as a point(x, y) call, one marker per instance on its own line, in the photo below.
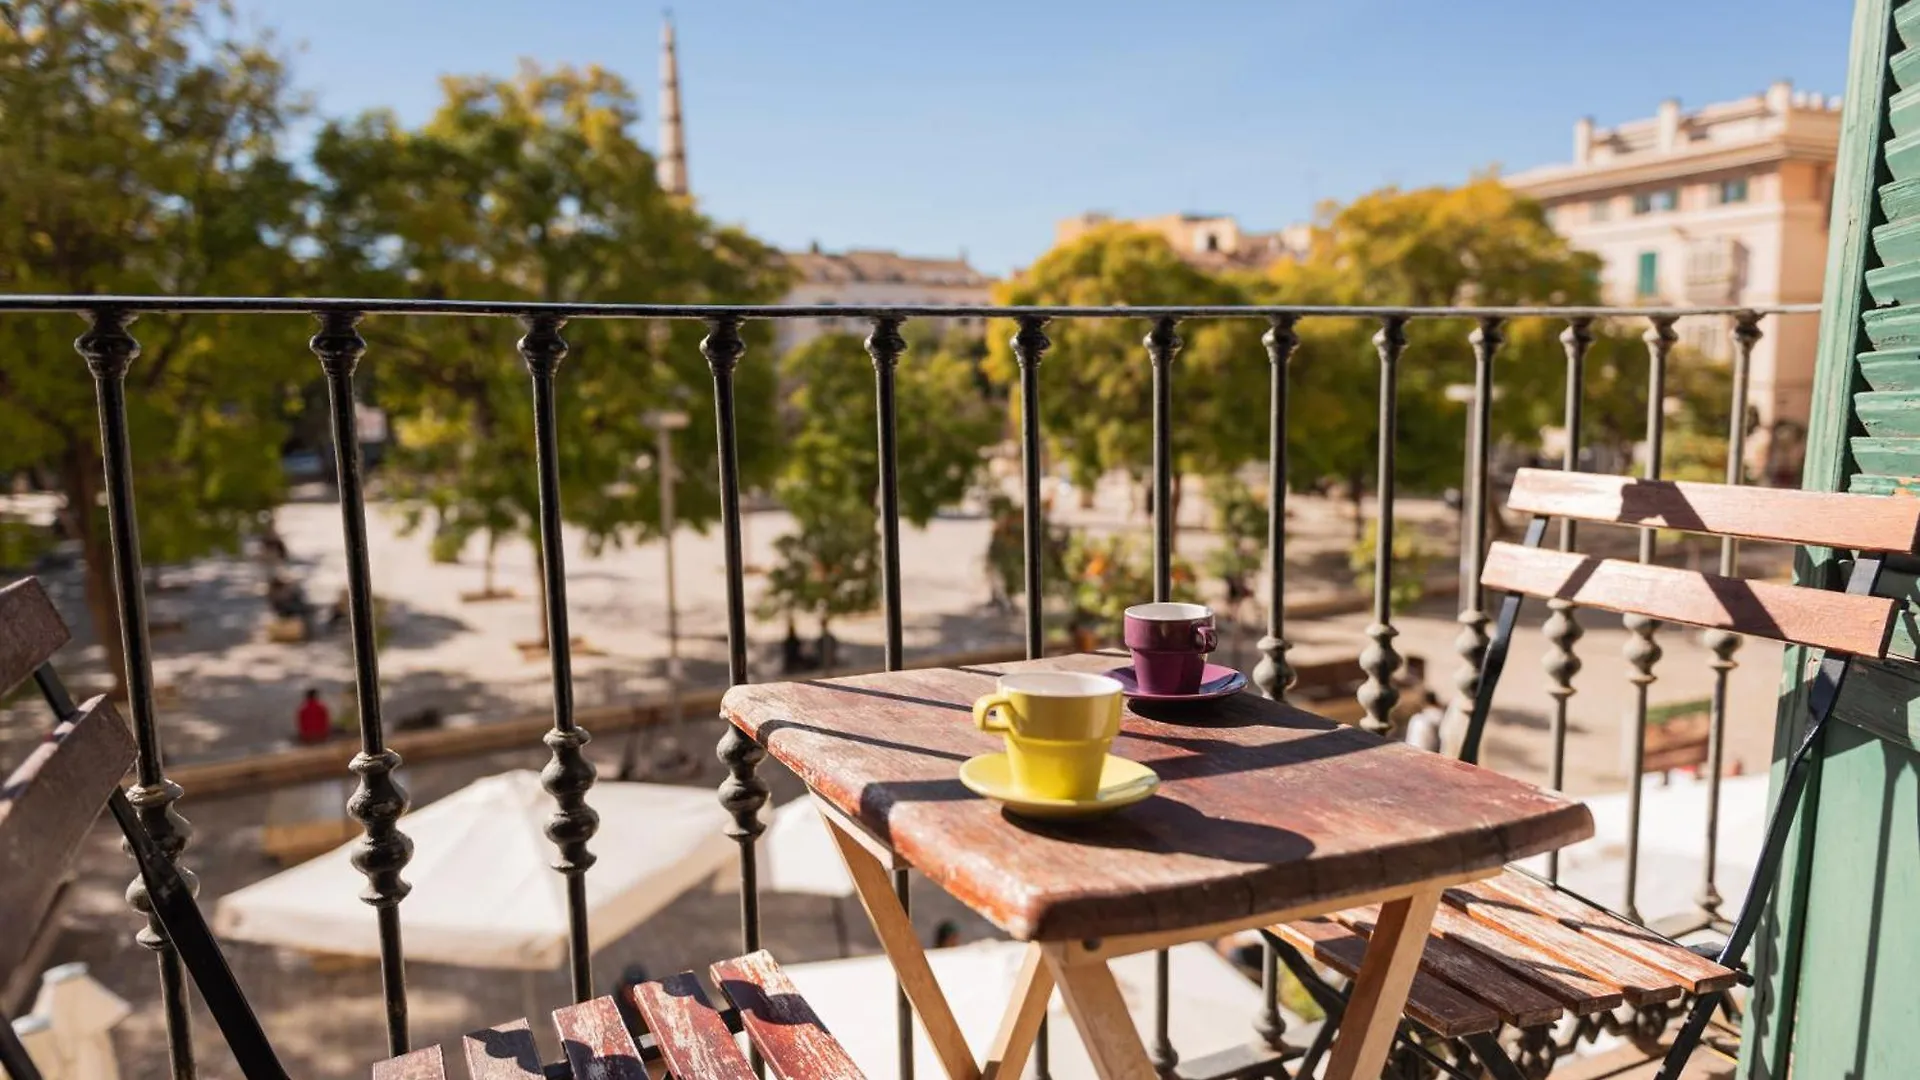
point(672, 168)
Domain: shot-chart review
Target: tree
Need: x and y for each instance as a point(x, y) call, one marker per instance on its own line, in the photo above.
point(1097, 371)
point(828, 568)
point(534, 188)
point(1476, 244)
point(141, 152)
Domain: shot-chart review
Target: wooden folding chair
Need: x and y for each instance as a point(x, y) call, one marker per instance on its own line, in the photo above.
point(1519, 951)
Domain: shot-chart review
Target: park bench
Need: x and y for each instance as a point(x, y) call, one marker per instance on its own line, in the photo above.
point(50, 802)
point(1518, 951)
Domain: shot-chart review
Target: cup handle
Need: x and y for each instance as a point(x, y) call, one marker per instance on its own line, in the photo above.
point(984, 716)
point(1206, 638)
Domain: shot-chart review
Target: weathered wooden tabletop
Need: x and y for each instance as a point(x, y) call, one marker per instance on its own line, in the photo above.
point(1262, 807)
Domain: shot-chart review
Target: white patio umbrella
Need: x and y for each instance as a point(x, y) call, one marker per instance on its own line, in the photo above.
point(1213, 1005)
point(484, 891)
point(1673, 830)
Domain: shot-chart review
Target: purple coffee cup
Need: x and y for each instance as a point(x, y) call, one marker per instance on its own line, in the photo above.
point(1169, 643)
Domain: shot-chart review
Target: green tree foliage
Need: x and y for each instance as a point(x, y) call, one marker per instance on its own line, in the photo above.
point(534, 188)
point(1096, 381)
point(1476, 244)
point(141, 151)
point(829, 566)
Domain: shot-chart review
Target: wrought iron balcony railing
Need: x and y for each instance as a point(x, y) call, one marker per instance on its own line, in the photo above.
point(109, 350)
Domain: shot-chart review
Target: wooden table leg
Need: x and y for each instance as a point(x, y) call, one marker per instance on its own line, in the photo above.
point(1100, 1014)
point(904, 952)
point(1380, 989)
point(1021, 1023)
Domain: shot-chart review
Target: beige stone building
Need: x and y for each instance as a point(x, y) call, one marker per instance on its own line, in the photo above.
point(1212, 241)
point(1727, 204)
point(868, 278)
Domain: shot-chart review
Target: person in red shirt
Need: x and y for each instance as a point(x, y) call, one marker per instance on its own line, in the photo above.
point(315, 723)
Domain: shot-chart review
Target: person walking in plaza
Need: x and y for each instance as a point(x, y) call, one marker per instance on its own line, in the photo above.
point(313, 723)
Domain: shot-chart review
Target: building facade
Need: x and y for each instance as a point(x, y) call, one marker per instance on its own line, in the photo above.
point(1210, 241)
point(869, 278)
point(1728, 204)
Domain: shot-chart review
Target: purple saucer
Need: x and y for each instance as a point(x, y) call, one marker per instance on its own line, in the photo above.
point(1216, 681)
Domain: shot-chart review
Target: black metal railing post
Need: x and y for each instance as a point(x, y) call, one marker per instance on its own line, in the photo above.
point(885, 345)
point(378, 800)
point(108, 348)
point(568, 775)
point(1378, 695)
point(1163, 344)
point(742, 793)
point(1642, 651)
point(1562, 630)
point(1273, 675)
point(1030, 344)
point(1471, 644)
point(1724, 643)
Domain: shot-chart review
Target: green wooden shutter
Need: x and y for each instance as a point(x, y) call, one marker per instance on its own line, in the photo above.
point(1836, 959)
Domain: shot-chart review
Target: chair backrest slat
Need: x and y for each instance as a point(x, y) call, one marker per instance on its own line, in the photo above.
point(1859, 522)
point(31, 631)
point(1860, 625)
point(46, 808)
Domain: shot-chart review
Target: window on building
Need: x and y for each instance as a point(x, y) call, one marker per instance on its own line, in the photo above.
point(1600, 209)
point(1647, 282)
point(1732, 191)
point(1654, 202)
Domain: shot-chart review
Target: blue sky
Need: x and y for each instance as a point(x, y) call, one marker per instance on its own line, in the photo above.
point(933, 128)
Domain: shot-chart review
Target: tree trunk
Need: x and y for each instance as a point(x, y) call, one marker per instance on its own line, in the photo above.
point(1356, 489)
point(1173, 512)
point(486, 582)
point(81, 483)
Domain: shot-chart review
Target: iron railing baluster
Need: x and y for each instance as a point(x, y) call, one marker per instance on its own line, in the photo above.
point(1641, 650)
point(379, 800)
point(1163, 344)
point(1724, 643)
point(1273, 675)
point(1562, 630)
point(568, 775)
point(1471, 644)
point(1378, 695)
point(1030, 344)
point(108, 348)
point(742, 793)
point(885, 345)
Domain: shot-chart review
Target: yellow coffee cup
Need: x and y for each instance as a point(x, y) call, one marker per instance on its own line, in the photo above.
point(1058, 726)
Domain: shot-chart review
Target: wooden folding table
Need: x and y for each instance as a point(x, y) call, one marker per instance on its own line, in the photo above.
point(1266, 814)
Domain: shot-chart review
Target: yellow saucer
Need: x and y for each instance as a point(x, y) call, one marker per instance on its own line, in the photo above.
point(1122, 783)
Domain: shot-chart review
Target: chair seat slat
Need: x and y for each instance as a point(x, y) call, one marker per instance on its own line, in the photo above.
point(423, 1064)
point(1641, 984)
point(503, 1052)
point(1433, 1003)
point(1863, 522)
point(1581, 993)
point(596, 1041)
point(1693, 971)
point(31, 631)
point(692, 1038)
point(1518, 1001)
point(1860, 625)
point(789, 1035)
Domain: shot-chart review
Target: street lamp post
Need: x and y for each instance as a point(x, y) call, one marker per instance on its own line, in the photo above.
point(674, 758)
